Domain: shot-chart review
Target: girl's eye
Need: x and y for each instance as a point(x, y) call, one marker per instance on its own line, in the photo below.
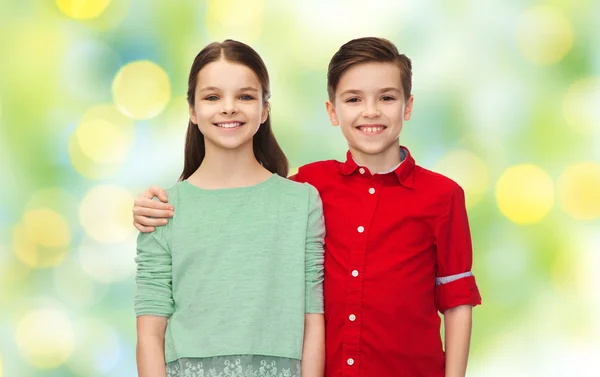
point(212, 98)
point(352, 99)
point(387, 98)
point(245, 97)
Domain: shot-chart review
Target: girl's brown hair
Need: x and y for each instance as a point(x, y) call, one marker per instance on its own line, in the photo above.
point(368, 50)
point(266, 148)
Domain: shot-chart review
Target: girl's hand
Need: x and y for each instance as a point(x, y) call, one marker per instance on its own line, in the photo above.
point(148, 213)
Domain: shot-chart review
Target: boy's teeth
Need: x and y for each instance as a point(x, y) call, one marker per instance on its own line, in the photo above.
point(372, 129)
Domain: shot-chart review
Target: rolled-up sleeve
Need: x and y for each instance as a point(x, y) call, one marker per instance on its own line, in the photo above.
point(154, 295)
point(455, 283)
point(315, 236)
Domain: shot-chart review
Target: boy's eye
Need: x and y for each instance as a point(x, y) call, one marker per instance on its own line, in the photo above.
point(354, 99)
point(212, 98)
point(246, 97)
point(387, 98)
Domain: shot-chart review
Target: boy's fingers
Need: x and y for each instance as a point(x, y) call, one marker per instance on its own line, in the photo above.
point(148, 222)
point(158, 192)
point(142, 202)
point(143, 229)
point(149, 212)
point(163, 196)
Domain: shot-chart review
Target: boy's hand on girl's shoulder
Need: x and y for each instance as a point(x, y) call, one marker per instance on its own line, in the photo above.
point(148, 213)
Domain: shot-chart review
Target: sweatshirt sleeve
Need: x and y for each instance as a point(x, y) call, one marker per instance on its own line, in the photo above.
point(315, 236)
point(154, 289)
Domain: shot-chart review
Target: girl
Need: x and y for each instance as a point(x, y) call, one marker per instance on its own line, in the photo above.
point(232, 286)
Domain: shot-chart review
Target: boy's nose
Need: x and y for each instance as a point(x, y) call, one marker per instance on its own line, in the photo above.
point(371, 112)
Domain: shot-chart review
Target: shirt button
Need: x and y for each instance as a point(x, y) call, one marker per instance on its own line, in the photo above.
point(350, 361)
point(352, 317)
point(355, 273)
point(361, 171)
point(361, 229)
point(371, 191)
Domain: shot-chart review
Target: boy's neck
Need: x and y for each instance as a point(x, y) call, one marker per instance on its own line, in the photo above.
point(223, 168)
point(380, 162)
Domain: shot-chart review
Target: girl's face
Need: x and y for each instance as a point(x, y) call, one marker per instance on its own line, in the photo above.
point(228, 106)
point(370, 107)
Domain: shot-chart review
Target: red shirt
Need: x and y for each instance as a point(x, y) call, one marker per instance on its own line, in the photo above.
point(397, 251)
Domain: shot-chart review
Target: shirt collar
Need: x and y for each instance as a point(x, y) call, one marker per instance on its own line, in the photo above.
point(403, 171)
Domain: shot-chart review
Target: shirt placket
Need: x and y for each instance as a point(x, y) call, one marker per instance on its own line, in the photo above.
point(369, 193)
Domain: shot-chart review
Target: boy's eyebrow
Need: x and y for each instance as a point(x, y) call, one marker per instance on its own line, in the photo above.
point(248, 88)
point(350, 91)
point(356, 91)
point(391, 89)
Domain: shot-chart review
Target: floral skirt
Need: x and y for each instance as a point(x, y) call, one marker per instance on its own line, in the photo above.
point(235, 366)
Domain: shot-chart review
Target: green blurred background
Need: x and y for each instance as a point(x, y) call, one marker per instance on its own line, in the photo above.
point(92, 111)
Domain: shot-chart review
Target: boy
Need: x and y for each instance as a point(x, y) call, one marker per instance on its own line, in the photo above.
point(398, 246)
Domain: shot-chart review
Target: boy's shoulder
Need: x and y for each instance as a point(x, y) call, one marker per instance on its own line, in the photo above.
point(429, 179)
point(314, 170)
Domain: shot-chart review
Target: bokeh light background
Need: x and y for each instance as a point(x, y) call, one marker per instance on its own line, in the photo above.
point(92, 111)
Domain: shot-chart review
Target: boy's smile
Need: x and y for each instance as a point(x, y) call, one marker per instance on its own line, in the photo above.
point(371, 129)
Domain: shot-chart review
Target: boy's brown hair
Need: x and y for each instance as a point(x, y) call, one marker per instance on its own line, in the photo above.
point(368, 50)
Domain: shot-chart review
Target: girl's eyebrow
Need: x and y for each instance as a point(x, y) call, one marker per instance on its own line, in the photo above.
point(214, 88)
point(211, 88)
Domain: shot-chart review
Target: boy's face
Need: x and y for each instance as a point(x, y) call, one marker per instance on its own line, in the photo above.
point(370, 108)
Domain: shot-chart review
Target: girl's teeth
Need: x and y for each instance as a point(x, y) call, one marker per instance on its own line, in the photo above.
point(229, 125)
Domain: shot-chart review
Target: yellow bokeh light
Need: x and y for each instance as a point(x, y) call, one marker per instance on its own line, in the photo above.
point(580, 105)
point(12, 270)
point(525, 194)
point(85, 166)
point(141, 89)
point(105, 135)
point(82, 9)
point(579, 191)
point(105, 213)
point(45, 338)
point(241, 20)
point(544, 35)
point(468, 170)
point(33, 254)
point(47, 228)
point(101, 142)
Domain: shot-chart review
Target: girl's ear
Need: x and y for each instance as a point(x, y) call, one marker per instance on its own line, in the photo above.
point(265, 112)
point(193, 116)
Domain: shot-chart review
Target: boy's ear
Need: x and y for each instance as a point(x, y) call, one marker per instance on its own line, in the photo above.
point(332, 115)
point(193, 116)
point(408, 108)
point(265, 112)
